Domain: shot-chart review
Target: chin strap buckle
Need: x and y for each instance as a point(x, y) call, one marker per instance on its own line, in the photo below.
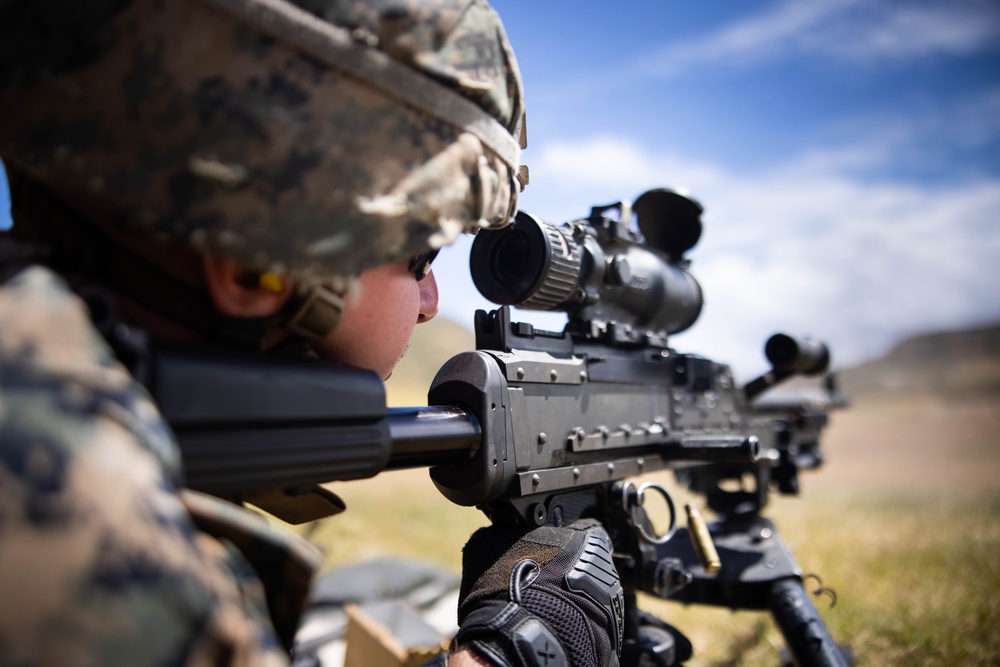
point(317, 315)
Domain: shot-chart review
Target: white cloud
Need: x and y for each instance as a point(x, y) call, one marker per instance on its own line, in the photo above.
point(907, 30)
point(607, 166)
point(923, 135)
point(757, 37)
point(803, 247)
point(841, 29)
point(862, 264)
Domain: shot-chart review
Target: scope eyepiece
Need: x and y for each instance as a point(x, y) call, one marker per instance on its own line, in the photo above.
point(531, 264)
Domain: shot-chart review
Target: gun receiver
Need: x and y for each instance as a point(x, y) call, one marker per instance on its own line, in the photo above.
point(555, 423)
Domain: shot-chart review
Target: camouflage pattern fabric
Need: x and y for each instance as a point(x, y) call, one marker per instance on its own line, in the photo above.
point(194, 124)
point(102, 560)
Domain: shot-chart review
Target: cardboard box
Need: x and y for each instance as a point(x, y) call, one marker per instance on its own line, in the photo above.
point(389, 633)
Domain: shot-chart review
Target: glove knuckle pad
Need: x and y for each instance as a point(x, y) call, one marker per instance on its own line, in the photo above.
point(594, 576)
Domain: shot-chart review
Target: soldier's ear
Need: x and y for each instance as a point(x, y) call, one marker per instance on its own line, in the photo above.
point(239, 292)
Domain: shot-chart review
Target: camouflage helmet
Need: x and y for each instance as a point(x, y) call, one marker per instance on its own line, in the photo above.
point(312, 138)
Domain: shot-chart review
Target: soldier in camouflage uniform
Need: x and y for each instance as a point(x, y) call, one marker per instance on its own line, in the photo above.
point(224, 170)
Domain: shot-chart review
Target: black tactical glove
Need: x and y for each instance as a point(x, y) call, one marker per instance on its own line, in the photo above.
point(548, 597)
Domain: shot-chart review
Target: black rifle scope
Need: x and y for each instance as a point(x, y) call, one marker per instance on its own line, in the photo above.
point(809, 356)
point(599, 269)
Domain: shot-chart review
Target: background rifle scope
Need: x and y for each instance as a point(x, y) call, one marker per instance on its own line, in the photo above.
point(599, 269)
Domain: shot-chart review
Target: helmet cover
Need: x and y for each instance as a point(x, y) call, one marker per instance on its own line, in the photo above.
point(313, 139)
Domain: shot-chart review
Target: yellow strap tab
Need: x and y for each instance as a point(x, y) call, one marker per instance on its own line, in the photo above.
point(270, 282)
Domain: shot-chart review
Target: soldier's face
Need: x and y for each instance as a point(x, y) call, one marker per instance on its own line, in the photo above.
point(379, 318)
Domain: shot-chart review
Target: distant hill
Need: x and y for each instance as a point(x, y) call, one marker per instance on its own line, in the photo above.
point(953, 365)
point(432, 344)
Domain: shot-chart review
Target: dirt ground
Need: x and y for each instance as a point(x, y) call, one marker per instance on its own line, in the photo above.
point(923, 447)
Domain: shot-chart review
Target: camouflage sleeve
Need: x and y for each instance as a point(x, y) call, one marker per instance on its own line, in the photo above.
point(100, 562)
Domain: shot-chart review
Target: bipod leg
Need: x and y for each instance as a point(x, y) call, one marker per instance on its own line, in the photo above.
point(808, 640)
point(649, 641)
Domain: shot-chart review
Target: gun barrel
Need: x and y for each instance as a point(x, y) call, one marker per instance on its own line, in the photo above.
point(429, 436)
point(718, 449)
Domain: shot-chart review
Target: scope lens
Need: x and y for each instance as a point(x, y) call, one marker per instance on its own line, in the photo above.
point(798, 355)
point(782, 351)
point(509, 260)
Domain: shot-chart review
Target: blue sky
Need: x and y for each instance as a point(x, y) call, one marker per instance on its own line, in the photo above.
point(4, 200)
point(847, 154)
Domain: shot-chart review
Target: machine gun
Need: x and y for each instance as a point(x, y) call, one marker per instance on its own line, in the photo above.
point(569, 417)
point(537, 427)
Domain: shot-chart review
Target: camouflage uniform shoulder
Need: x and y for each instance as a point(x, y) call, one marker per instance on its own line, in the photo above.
point(46, 339)
point(101, 561)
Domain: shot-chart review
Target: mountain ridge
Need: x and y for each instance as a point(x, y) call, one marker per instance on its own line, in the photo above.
point(957, 365)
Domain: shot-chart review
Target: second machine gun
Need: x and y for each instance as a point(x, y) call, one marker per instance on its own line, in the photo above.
point(539, 428)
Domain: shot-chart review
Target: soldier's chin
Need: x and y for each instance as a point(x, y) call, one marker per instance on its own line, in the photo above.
point(401, 355)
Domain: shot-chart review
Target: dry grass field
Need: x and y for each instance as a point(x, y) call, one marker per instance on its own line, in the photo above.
point(903, 522)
